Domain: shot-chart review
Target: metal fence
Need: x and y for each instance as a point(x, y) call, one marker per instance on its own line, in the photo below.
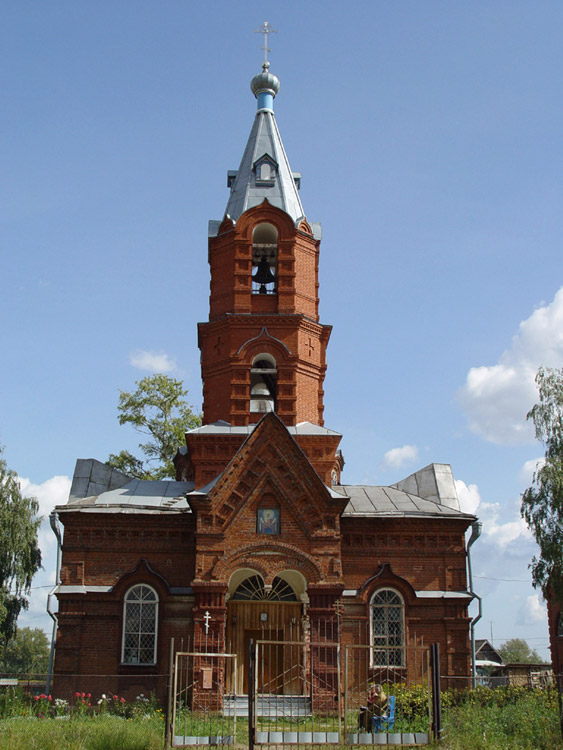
point(302, 692)
point(204, 708)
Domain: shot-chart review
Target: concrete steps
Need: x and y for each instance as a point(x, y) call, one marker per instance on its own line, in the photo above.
point(269, 705)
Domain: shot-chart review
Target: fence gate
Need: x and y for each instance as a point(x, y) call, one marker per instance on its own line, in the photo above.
point(202, 711)
point(407, 717)
point(297, 692)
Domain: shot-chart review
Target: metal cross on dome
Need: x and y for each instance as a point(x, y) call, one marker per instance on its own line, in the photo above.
point(266, 29)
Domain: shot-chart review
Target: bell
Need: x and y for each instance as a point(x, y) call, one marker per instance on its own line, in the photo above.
point(263, 275)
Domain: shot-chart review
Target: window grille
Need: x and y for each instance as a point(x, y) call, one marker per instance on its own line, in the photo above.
point(253, 589)
point(140, 620)
point(387, 629)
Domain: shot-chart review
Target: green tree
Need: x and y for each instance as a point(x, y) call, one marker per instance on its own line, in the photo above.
point(27, 652)
point(158, 409)
point(20, 557)
point(517, 651)
point(542, 503)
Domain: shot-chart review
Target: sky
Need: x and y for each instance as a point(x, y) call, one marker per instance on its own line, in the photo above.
point(429, 140)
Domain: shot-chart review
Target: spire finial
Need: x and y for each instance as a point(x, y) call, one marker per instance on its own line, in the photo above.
point(266, 29)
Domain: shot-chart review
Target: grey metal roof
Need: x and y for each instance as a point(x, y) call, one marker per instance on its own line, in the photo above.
point(92, 477)
point(434, 482)
point(390, 502)
point(281, 190)
point(444, 594)
point(225, 428)
point(426, 594)
point(148, 493)
point(97, 487)
point(81, 589)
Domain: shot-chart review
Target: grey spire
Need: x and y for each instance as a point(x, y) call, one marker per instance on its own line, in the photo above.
point(264, 171)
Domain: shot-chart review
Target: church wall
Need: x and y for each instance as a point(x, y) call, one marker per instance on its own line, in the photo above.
point(408, 556)
point(120, 550)
point(429, 553)
point(99, 549)
point(89, 639)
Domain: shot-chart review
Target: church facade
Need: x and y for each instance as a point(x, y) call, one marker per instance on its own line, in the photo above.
point(259, 536)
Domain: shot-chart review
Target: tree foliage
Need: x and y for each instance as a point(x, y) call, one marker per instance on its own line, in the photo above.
point(20, 557)
point(542, 503)
point(517, 651)
point(26, 653)
point(158, 409)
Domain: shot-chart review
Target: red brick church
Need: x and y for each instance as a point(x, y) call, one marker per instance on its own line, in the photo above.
point(260, 534)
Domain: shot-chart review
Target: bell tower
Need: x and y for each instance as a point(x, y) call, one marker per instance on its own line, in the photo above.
point(263, 348)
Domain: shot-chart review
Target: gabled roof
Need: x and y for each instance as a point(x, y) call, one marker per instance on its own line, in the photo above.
point(270, 460)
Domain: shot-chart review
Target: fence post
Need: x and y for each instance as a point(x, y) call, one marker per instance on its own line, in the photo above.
point(436, 695)
point(559, 678)
point(251, 696)
point(170, 697)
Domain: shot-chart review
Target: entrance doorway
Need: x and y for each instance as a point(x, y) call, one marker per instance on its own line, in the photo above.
point(270, 669)
point(273, 615)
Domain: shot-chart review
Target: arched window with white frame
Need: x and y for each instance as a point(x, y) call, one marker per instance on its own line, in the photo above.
point(387, 618)
point(140, 625)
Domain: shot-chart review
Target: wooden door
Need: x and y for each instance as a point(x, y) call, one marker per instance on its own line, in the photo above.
point(282, 623)
point(269, 665)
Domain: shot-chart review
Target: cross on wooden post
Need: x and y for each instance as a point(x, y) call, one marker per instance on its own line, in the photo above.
point(311, 347)
point(206, 617)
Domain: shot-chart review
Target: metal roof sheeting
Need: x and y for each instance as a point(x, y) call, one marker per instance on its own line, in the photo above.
point(148, 493)
point(367, 500)
point(224, 428)
point(281, 191)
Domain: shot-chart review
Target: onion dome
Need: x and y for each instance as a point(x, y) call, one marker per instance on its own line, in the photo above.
point(265, 86)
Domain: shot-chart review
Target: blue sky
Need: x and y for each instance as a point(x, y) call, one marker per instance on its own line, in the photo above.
point(429, 139)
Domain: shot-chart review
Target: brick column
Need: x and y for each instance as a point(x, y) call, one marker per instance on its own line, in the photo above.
point(209, 622)
point(324, 629)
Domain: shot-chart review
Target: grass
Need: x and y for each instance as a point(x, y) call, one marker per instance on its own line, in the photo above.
point(484, 719)
point(82, 733)
point(504, 719)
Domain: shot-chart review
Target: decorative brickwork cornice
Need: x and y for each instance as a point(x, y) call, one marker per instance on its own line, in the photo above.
point(269, 559)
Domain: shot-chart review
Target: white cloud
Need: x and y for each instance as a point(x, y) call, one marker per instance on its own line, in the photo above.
point(504, 533)
point(468, 496)
point(52, 492)
point(398, 457)
point(533, 611)
point(496, 398)
point(528, 469)
point(152, 361)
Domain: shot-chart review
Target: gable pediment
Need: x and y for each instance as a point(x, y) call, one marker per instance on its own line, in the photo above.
point(271, 471)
